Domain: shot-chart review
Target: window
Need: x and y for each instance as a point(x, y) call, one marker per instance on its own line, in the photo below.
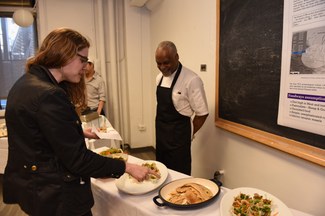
point(16, 45)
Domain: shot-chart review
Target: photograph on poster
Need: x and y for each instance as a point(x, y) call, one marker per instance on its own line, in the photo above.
point(308, 52)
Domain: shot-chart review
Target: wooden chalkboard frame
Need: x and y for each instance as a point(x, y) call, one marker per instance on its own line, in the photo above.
point(293, 147)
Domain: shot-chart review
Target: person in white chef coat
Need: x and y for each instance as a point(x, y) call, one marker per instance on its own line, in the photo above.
point(181, 109)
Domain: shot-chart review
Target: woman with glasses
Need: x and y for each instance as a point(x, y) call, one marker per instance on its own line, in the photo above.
point(49, 167)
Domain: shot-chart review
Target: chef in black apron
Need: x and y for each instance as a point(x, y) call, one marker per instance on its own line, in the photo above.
point(174, 127)
point(173, 131)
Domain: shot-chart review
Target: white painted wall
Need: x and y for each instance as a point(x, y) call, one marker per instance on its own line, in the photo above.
point(139, 60)
point(191, 24)
point(75, 14)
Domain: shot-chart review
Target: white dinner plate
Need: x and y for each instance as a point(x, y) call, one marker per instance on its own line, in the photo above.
point(114, 156)
point(277, 205)
point(129, 185)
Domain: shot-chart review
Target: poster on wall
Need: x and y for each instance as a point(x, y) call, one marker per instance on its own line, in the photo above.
point(302, 89)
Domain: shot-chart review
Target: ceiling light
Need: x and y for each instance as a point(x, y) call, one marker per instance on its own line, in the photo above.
point(23, 17)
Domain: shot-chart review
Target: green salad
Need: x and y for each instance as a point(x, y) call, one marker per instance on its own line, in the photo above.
point(246, 205)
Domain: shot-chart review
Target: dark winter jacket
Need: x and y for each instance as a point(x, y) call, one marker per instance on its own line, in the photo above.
point(49, 167)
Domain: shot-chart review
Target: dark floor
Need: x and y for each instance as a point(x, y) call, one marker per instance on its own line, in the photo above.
point(145, 153)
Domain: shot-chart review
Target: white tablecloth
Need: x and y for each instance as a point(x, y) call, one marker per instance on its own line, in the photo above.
point(110, 139)
point(109, 201)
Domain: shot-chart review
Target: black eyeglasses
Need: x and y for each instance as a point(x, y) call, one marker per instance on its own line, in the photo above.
point(83, 59)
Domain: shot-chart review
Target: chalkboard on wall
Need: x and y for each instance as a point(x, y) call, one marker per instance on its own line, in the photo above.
point(248, 77)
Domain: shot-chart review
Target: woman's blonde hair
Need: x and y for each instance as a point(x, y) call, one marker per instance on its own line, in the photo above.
point(58, 48)
point(78, 95)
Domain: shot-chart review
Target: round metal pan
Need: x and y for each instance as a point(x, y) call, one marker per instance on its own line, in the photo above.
point(164, 193)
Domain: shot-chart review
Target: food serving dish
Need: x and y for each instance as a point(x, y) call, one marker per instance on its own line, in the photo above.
point(107, 133)
point(115, 155)
point(101, 126)
point(129, 185)
point(165, 193)
point(277, 206)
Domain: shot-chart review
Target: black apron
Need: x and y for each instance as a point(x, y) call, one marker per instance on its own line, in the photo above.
point(173, 131)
